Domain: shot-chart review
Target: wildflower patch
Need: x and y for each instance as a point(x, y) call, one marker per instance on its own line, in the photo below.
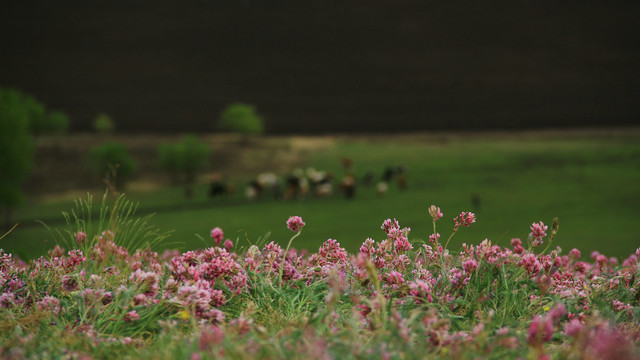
point(395, 298)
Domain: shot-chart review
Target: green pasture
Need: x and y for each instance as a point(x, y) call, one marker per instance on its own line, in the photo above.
point(591, 183)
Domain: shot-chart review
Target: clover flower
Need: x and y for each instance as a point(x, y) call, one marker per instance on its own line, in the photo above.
point(218, 235)
point(295, 223)
point(464, 219)
point(538, 231)
point(80, 237)
point(131, 316)
point(435, 212)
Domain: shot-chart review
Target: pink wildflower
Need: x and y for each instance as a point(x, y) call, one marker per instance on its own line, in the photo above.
point(401, 244)
point(601, 260)
point(574, 254)
point(538, 231)
point(420, 289)
point(69, 283)
point(557, 312)
point(464, 219)
point(367, 246)
point(531, 263)
point(434, 237)
point(470, 265)
point(210, 337)
point(295, 223)
point(620, 306)
point(131, 316)
point(228, 244)
point(140, 299)
point(7, 300)
point(80, 237)
point(435, 212)
point(540, 331)
point(217, 234)
point(241, 325)
point(457, 277)
point(107, 235)
point(387, 225)
point(607, 342)
point(517, 246)
point(573, 328)
point(394, 278)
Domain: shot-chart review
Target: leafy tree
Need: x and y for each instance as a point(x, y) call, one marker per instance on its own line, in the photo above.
point(168, 161)
point(186, 158)
point(57, 122)
point(104, 124)
point(16, 148)
point(241, 118)
point(36, 113)
point(41, 121)
point(112, 160)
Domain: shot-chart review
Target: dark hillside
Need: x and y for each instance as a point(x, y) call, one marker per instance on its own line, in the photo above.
point(328, 66)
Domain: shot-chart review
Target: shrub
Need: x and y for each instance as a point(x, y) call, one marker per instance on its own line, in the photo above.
point(241, 118)
point(104, 124)
point(16, 148)
point(114, 162)
point(186, 158)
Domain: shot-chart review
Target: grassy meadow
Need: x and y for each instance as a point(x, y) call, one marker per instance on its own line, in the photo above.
point(588, 180)
point(108, 296)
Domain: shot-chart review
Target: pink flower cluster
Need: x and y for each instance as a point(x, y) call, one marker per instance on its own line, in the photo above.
point(295, 223)
point(218, 235)
point(435, 212)
point(542, 328)
point(464, 219)
point(538, 231)
point(385, 281)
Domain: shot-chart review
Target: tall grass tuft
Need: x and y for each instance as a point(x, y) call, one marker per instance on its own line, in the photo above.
point(117, 216)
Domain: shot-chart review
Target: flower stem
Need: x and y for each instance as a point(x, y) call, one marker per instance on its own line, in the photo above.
point(284, 257)
point(450, 236)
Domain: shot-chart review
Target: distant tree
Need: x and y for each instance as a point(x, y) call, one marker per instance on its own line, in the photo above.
point(113, 161)
point(41, 121)
point(16, 149)
point(104, 124)
point(241, 118)
point(36, 112)
point(57, 122)
point(186, 158)
point(168, 161)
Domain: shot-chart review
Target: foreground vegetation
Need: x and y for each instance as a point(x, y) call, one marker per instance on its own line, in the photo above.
point(110, 295)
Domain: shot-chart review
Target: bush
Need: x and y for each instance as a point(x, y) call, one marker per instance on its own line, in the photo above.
point(241, 118)
point(16, 148)
point(104, 124)
point(114, 162)
point(185, 158)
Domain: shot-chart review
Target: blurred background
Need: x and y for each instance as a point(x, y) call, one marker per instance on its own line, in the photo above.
point(344, 112)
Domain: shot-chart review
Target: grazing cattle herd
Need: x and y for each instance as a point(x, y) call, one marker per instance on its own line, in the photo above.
point(300, 184)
